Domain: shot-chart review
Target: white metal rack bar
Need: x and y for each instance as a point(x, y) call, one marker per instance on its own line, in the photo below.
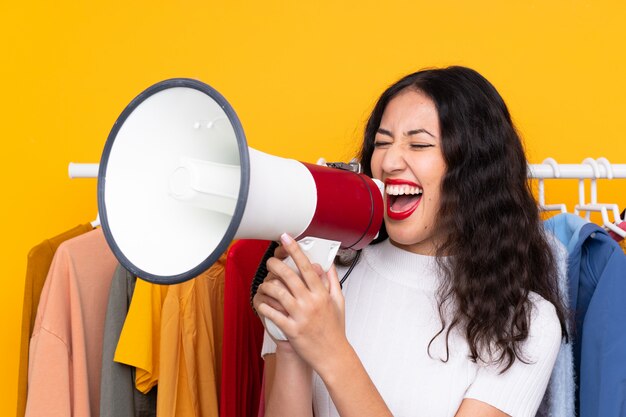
point(77, 170)
point(575, 171)
point(538, 171)
point(590, 169)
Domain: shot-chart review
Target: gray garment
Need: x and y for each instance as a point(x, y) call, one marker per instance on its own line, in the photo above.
point(118, 395)
point(559, 398)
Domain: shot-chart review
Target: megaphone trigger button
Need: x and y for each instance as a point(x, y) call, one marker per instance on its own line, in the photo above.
point(332, 253)
point(306, 244)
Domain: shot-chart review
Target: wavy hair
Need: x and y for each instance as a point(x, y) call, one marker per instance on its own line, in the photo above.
point(488, 213)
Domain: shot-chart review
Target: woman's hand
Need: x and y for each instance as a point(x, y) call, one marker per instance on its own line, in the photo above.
point(261, 297)
point(308, 308)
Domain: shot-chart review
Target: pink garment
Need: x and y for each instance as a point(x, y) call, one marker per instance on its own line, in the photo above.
point(66, 347)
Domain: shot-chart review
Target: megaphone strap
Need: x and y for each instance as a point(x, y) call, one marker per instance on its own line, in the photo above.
point(352, 265)
point(261, 271)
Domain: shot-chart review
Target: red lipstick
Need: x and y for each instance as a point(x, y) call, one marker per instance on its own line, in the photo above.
point(389, 200)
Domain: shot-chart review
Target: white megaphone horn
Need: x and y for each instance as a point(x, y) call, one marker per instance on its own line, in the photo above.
point(177, 184)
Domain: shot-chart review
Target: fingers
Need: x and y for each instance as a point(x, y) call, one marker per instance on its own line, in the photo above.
point(280, 252)
point(335, 286)
point(308, 273)
point(260, 297)
point(318, 269)
point(286, 275)
point(279, 318)
point(323, 278)
point(275, 293)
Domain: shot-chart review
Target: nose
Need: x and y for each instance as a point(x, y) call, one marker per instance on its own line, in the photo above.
point(393, 160)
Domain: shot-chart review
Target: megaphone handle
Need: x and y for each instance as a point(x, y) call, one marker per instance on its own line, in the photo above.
point(319, 251)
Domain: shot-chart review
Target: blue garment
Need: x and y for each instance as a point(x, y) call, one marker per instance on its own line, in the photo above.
point(597, 294)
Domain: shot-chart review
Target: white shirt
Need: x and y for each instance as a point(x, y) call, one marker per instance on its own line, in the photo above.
point(391, 316)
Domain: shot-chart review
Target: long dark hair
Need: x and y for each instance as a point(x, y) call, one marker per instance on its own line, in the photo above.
point(499, 252)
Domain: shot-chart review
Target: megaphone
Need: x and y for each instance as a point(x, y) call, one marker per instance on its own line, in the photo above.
point(177, 184)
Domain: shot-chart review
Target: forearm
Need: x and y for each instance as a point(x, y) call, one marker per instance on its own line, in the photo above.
point(350, 387)
point(290, 392)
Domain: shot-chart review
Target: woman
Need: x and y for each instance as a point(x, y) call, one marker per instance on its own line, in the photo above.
point(457, 311)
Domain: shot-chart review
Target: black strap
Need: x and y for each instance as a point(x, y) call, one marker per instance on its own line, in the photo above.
point(261, 271)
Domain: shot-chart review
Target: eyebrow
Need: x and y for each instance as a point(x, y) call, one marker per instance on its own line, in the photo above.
point(409, 133)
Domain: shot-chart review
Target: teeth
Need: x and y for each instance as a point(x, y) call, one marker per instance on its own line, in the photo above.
point(403, 190)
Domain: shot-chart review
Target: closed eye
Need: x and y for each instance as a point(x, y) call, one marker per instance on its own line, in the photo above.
point(421, 145)
point(380, 144)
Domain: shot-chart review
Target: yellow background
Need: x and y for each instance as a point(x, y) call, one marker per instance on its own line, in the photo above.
point(302, 77)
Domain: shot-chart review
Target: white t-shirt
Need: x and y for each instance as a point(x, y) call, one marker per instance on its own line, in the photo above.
point(391, 316)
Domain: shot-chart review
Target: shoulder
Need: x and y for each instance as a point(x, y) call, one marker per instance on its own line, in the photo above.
point(543, 312)
point(519, 390)
point(545, 332)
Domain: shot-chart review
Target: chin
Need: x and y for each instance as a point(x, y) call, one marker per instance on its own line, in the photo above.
point(411, 241)
point(404, 237)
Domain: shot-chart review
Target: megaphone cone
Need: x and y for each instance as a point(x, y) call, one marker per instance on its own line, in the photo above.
point(177, 184)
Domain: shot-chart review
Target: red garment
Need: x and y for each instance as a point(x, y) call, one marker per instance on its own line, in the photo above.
point(614, 235)
point(242, 365)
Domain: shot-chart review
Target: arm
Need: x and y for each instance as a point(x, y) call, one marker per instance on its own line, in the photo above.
point(288, 390)
point(313, 320)
point(350, 387)
point(287, 378)
point(474, 408)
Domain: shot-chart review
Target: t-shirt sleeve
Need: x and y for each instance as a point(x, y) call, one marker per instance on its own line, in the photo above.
point(269, 346)
point(519, 391)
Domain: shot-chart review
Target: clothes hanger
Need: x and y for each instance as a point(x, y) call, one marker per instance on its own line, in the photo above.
point(541, 190)
point(594, 206)
point(96, 222)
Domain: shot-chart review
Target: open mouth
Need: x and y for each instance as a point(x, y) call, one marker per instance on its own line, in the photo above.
point(402, 198)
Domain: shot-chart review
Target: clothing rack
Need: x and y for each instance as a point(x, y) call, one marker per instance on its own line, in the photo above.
point(548, 169)
point(590, 169)
point(78, 170)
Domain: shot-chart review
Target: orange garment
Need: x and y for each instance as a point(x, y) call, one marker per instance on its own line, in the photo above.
point(139, 340)
point(191, 339)
point(38, 265)
point(66, 348)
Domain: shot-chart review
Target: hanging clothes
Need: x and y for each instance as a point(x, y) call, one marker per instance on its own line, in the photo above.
point(173, 336)
point(242, 368)
point(38, 265)
point(560, 396)
point(118, 395)
point(139, 341)
point(622, 225)
point(191, 338)
point(66, 348)
point(615, 236)
point(597, 290)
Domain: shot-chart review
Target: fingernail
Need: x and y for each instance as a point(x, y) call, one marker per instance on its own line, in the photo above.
point(286, 239)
